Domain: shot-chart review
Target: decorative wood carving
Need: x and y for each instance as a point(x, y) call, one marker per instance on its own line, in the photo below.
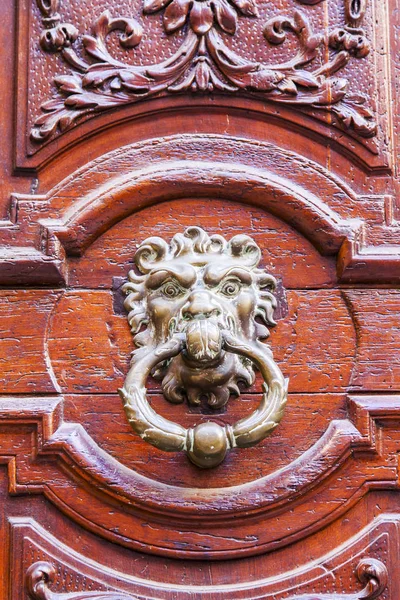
point(98, 476)
point(370, 572)
point(278, 120)
point(356, 569)
point(41, 575)
point(47, 230)
point(203, 63)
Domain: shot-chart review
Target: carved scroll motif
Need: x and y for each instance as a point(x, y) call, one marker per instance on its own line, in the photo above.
point(204, 63)
point(370, 572)
point(40, 576)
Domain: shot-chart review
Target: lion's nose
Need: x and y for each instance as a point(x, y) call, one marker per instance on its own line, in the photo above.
point(200, 306)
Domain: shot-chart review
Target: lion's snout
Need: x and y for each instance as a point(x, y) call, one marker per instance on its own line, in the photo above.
point(201, 305)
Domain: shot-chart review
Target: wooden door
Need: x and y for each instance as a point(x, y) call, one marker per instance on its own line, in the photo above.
point(249, 447)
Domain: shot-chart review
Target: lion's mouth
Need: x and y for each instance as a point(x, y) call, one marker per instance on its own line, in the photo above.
point(204, 339)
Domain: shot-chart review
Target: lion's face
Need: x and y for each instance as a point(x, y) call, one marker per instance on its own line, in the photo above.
point(189, 298)
point(200, 286)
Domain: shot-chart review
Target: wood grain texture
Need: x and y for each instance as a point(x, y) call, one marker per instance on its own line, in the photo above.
point(293, 259)
point(40, 550)
point(313, 479)
point(89, 347)
point(321, 207)
point(25, 364)
point(176, 61)
point(377, 323)
point(89, 510)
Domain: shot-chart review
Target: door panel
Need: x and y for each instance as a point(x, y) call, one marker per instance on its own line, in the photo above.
point(255, 145)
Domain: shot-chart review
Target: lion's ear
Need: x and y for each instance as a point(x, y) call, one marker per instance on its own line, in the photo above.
point(266, 307)
point(266, 281)
point(142, 338)
point(244, 247)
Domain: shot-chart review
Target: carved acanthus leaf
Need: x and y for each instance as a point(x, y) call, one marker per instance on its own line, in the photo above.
point(203, 63)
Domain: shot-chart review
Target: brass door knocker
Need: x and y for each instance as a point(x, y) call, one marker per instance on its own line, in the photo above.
point(198, 311)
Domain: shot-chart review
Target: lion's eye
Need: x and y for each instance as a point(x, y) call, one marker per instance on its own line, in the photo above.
point(230, 288)
point(170, 289)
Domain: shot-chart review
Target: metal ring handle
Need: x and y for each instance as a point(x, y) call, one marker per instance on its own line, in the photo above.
point(208, 443)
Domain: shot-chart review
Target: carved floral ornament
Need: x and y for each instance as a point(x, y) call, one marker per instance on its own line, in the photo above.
point(198, 311)
point(204, 63)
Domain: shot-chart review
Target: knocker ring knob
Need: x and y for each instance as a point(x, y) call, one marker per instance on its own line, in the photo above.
point(198, 308)
point(208, 443)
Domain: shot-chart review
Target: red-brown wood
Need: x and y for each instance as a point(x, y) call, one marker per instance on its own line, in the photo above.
point(284, 127)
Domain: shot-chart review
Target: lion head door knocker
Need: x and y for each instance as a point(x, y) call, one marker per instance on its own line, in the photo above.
point(194, 312)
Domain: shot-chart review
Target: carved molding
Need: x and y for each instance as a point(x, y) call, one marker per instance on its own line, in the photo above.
point(86, 220)
point(204, 63)
point(358, 569)
point(321, 207)
point(359, 263)
point(72, 445)
point(40, 235)
point(103, 481)
point(370, 572)
point(331, 234)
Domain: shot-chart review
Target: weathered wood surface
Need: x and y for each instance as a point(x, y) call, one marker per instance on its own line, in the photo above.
point(307, 166)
